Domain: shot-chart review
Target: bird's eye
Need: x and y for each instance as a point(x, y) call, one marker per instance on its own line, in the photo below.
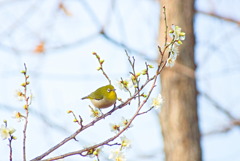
point(108, 90)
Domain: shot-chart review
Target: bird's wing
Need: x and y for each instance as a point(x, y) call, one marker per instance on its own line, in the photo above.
point(95, 96)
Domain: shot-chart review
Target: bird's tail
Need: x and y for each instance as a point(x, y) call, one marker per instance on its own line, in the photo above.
point(84, 98)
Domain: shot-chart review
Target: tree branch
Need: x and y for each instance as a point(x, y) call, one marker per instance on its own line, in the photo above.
point(234, 122)
point(219, 17)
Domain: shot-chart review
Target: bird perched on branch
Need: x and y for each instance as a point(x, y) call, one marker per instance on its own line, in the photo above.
point(103, 97)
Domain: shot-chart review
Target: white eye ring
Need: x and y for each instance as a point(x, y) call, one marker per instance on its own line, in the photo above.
point(108, 90)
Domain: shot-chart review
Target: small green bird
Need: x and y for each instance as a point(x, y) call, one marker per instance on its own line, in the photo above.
point(103, 97)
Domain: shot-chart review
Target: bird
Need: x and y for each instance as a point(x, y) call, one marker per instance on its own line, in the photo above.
point(103, 97)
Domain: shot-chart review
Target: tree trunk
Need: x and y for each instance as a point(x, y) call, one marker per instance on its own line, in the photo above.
point(178, 117)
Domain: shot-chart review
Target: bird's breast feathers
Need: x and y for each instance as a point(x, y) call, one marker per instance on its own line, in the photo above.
point(103, 103)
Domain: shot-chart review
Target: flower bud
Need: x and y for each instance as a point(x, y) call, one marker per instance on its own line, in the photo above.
point(99, 68)
point(182, 34)
point(69, 111)
point(150, 66)
point(101, 61)
point(138, 74)
point(179, 42)
point(23, 84)
point(133, 77)
point(95, 153)
point(23, 71)
point(11, 131)
point(144, 95)
point(19, 94)
point(144, 72)
point(25, 107)
point(75, 120)
point(97, 57)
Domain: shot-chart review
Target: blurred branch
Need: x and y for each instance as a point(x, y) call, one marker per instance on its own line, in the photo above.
point(100, 27)
point(218, 106)
point(234, 122)
point(91, 13)
point(220, 130)
point(101, 61)
point(219, 17)
point(23, 18)
point(184, 70)
point(39, 115)
point(126, 47)
point(103, 33)
point(229, 127)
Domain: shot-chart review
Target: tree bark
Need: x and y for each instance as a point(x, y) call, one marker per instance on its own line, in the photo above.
point(178, 117)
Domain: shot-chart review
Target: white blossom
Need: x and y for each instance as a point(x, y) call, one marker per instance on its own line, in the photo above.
point(95, 113)
point(173, 50)
point(157, 102)
point(115, 127)
point(117, 155)
point(124, 122)
point(18, 116)
point(176, 33)
point(125, 84)
point(19, 95)
point(125, 142)
point(170, 61)
point(6, 132)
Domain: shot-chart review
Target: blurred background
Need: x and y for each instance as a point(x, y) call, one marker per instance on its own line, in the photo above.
point(56, 39)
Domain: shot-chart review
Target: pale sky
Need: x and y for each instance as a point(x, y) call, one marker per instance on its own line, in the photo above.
point(67, 71)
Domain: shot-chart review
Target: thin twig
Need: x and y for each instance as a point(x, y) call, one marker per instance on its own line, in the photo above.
point(160, 50)
point(166, 26)
point(112, 144)
point(101, 61)
point(125, 87)
point(26, 98)
point(147, 70)
point(146, 111)
point(10, 148)
point(135, 80)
